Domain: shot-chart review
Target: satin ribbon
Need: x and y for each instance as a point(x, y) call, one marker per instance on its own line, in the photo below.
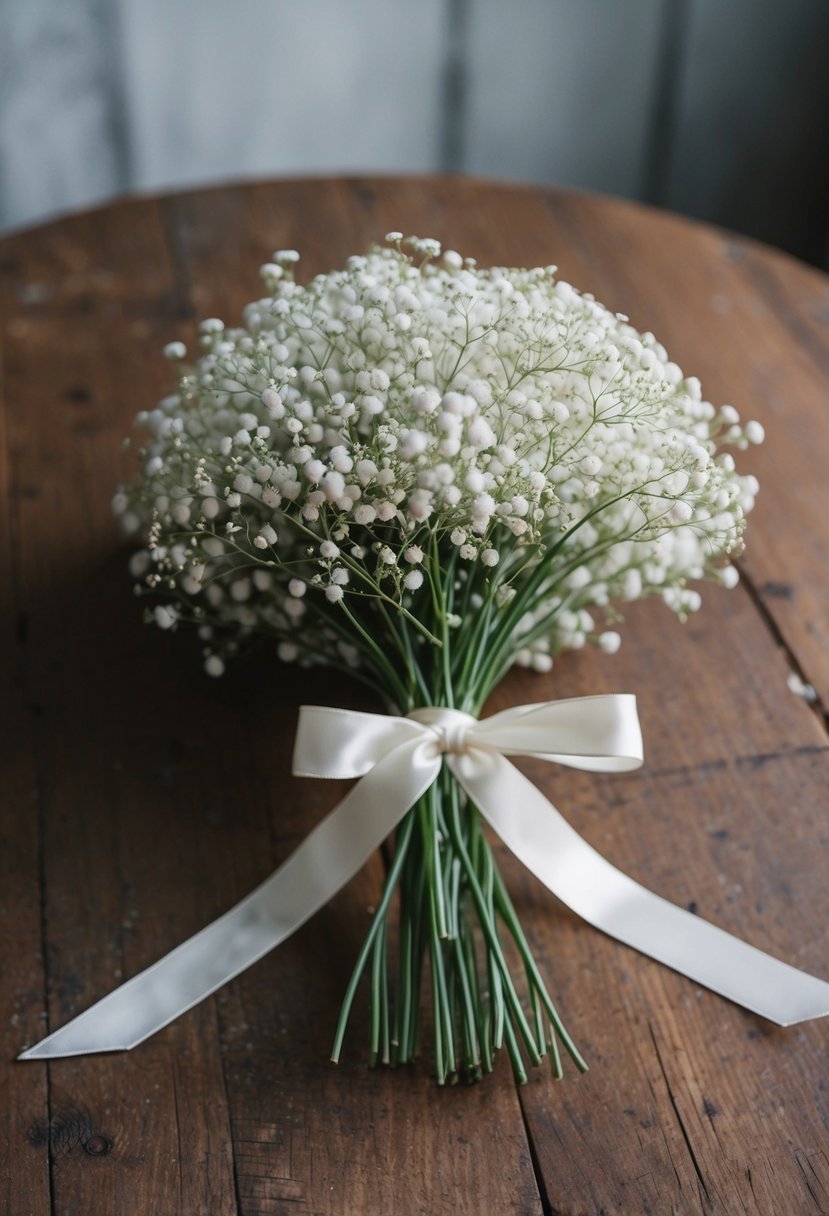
point(396, 760)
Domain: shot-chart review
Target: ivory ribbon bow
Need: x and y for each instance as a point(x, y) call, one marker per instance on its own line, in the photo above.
point(396, 760)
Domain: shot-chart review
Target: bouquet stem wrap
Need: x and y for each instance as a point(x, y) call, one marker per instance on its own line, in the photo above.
point(396, 761)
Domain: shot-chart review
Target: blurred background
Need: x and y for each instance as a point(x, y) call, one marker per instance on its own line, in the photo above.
point(715, 108)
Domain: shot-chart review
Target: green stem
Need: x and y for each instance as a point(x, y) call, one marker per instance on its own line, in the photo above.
point(376, 924)
point(488, 928)
point(537, 984)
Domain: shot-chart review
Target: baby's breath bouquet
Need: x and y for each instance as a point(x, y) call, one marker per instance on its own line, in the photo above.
point(421, 472)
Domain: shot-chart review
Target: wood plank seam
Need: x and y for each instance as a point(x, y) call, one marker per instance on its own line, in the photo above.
point(815, 703)
point(680, 1121)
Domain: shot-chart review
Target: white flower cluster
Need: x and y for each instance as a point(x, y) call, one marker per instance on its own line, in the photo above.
point(414, 435)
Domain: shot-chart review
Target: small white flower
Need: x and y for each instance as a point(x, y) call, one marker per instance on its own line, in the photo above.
point(272, 401)
point(240, 590)
point(483, 505)
point(365, 514)
point(340, 459)
point(413, 580)
point(632, 585)
point(420, 505)
point(140, 563)
point(413, 443)
point(295, 609)
point(480, 434)
point(314, 471)
point(165, 615)
point(682, 511)
point(425, 400)
point(366, 470)
point(334, 593)
point(333, 484)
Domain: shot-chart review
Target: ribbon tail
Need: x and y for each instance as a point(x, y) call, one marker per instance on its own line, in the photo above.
point(607, 899)
point(325, 861)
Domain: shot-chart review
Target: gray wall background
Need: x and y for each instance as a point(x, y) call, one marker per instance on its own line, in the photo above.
point(716, 108)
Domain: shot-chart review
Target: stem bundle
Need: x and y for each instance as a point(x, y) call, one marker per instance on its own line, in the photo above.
point(455, 915)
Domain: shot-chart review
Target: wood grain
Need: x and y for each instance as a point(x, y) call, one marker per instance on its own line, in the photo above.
point(102, 284)
point(141, 800)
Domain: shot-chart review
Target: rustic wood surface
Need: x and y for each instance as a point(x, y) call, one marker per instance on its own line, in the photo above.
point(141, 799)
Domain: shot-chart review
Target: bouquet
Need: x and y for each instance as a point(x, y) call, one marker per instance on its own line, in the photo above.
point(422, 472)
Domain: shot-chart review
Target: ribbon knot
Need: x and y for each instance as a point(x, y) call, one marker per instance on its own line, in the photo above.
point(451, 726)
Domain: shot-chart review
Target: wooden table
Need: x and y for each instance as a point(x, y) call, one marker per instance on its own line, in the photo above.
point(140, 799)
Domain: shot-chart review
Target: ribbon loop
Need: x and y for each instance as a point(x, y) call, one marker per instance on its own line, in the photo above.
point(341, 743)
point(598, 734)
